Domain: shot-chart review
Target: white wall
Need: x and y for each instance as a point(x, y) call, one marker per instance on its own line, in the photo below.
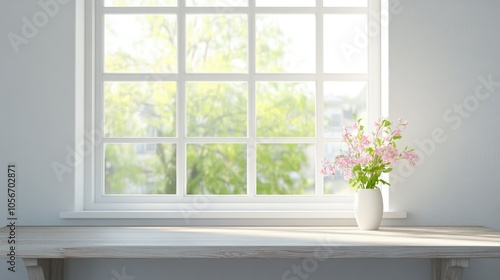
point(438, 49)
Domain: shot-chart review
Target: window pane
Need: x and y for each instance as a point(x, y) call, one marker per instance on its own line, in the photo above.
point(336, 184)
point(140, 3)
point(286, 169)
point(216, 169)
point(221, 4)
point(286, 43)
point(287, 3)
point(285, 109)
point(141, 168)
point(216, 43)
point(345, 43)
point(341, 101)
point(140, 44)
point(345, 3)
point(217, 109)
point(140, 109)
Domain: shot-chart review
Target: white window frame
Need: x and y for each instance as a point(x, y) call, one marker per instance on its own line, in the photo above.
point(88, 198)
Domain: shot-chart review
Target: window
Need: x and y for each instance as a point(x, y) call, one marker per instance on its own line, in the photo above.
point(233, 103)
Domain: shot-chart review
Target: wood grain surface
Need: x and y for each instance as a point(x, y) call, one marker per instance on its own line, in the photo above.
point(252, 242)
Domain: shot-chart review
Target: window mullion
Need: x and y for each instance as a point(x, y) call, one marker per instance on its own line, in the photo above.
point(252, 109)
point(319, 95)
point(99, 101)
point(181, 101)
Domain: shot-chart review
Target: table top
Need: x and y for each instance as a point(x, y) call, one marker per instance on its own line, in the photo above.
point(252, 242)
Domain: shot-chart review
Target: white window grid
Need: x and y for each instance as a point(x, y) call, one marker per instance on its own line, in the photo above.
point(94, 197)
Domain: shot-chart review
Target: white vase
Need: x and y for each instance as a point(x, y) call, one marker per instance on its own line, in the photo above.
point(368, 208)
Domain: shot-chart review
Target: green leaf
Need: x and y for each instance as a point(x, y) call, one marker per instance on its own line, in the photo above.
point(384, 182)
point(364, 179)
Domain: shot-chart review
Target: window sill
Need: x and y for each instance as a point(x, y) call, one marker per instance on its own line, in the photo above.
point(221, 215)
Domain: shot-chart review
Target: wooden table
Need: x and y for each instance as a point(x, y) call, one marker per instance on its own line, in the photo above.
point(44, 249)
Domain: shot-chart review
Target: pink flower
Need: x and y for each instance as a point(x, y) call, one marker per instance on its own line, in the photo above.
point(331, 169)
point(340, 162)
point(365, 142)
point(346, 135)
point(370, 153)
point(347, 175)
point(327, 168)
point(403, 122)
point(390, 154)
point(411, 157)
